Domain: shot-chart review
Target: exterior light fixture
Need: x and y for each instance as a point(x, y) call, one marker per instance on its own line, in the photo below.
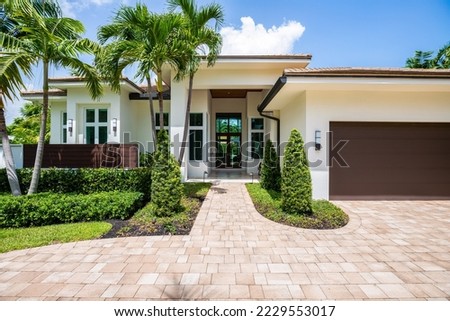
point(114, 126)
point(70, 126)
point(205, 173)
point(318, 139)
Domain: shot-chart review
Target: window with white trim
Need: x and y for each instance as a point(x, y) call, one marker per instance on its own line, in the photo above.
point(157, 122)
point(257, 137)
point(196, 136)
point(96, 125)
point(64, 127)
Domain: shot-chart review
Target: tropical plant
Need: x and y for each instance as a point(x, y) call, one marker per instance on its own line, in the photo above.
point(201, 39)
point(442, 59)
point(25, 129)
point(47, 40)
point(167, 189)
point(270, 168)
point(425, 59)
point(296, 187)
point(141, 37)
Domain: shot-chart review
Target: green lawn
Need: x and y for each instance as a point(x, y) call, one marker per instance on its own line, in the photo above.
point(325, 214)
point(21, 238)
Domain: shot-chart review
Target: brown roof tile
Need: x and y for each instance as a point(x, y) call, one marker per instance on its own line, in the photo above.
point(51, 92)
point(368, 72)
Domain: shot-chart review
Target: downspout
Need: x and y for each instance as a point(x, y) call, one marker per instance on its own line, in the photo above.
point(269, 97)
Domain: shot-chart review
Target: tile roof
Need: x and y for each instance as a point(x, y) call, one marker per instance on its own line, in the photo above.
point(368, 72)
point(51, 92)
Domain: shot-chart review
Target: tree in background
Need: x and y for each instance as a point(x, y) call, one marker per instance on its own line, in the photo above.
point(46, 40)
point(25, 129)
point(425, 59)
point(270, 168)
point(296, 186)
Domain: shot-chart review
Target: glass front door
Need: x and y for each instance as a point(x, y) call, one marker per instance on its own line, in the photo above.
point(228, 140)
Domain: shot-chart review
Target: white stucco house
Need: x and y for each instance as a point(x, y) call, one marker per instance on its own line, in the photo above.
point(370, 133)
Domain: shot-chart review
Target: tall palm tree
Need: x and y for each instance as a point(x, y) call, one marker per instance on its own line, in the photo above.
point(421, 60)
point(10, 82)
point(202, 39)
point(47, 40)
point(129, 45)
point(442, 60)
point(145, 38)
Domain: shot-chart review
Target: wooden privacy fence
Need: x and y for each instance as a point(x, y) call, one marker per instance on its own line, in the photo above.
point(84, 156)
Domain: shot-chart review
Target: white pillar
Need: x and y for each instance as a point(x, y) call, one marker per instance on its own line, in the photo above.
point(179, 93)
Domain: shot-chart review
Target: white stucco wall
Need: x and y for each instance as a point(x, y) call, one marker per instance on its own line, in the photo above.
point(316, 109)
point(17, 151)
point(57, 108)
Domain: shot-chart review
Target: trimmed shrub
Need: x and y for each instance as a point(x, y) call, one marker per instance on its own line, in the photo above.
point(167, 188)
point(270, 168)
point(296, 190)
point(85, 180)
point(53, 208)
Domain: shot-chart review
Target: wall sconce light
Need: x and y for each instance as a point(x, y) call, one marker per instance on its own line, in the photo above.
point(70, 126)
point(318, 140)
point(114, 126)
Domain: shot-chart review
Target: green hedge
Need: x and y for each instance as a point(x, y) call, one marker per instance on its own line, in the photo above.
point(84, 181)
point(53, 208)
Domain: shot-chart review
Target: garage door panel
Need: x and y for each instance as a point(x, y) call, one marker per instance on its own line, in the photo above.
point(392, 161)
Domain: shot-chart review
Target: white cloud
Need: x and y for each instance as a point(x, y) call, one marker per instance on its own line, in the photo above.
point(71, 7)
point(255, 39)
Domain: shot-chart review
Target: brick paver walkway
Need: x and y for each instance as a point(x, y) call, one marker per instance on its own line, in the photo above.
point(389, 250)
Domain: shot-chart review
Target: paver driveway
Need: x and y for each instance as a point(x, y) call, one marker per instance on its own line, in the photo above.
point(389, 250)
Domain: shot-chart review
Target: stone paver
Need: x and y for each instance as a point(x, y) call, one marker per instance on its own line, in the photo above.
point(389, 250)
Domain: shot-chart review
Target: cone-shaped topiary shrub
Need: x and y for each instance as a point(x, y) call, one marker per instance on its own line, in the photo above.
point(296, 190)
point(167, 188)
point(270, 168)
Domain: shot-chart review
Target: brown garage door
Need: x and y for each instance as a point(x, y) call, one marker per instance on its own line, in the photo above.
point(391, 161)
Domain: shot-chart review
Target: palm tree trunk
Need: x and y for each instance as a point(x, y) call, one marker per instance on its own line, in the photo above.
point(186, 119)
point(11, 173)
point(41, 143)
point(152, 110)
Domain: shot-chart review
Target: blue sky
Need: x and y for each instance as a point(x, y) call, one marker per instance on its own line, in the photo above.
point(368, 33)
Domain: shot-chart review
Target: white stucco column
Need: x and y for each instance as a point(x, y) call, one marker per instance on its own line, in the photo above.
point(179, 95)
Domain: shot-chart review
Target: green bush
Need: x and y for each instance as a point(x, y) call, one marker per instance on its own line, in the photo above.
point(270, 168)
point(53, 208)
point(296, 187)
point(167, 189)
point(85, 180)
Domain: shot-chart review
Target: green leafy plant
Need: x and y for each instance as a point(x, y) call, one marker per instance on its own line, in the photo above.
point(85, 180)
point(167, 189)
point(50, 208)
point(270, 168)
point(296, 187)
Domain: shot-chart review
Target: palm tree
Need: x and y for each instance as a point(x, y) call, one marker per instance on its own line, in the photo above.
point(10, 82)
point(47, 40)
point(421, 60)
point(442, 60)
point(145, 38)
point(424, 59)
point(201, 39)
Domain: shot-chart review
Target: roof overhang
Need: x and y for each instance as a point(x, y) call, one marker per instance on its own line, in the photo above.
point(75, 82)
point(295, 82)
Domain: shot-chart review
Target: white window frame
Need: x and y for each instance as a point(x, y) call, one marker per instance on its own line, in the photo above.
point(203, 129)
point(96, 124)
point(251, 131)
point(64, 128)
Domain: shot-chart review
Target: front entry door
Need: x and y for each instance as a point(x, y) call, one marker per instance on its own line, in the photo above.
point(228, 140)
